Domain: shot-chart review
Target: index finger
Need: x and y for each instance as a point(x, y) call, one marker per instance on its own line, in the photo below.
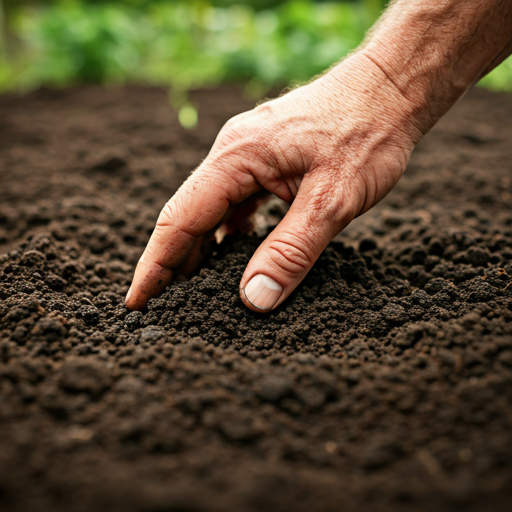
point(196, 208)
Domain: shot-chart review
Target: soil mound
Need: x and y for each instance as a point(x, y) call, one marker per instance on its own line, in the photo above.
point(384, 383)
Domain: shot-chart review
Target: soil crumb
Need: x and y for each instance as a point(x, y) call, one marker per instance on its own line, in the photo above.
point(384, 383)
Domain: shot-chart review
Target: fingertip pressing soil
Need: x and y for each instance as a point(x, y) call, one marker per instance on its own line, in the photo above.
point(383, 383)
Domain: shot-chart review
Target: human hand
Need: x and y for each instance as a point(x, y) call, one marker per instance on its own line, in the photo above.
point(332, 148)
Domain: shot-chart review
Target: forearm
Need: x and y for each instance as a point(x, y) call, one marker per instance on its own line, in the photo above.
point(432, 52)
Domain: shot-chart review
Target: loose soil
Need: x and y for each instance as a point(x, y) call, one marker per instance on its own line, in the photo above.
point(384, 383)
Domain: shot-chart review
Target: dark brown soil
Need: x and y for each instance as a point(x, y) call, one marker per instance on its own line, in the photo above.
point(385, 383)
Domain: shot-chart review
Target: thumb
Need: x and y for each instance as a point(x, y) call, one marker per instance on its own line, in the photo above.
point(317, 214)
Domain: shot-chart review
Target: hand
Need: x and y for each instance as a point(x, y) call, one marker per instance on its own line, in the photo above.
point(332, 148)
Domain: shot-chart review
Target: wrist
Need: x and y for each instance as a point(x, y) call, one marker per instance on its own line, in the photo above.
point(434, 51)
point(362, 77)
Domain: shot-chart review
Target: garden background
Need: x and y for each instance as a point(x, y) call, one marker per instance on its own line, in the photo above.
point(183, 44)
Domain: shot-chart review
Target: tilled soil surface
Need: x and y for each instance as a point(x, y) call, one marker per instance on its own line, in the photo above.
point(385, 383)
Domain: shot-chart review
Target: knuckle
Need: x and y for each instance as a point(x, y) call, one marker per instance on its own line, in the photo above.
point(290, 257)
point(230, 123)
point(249, 136)
point(235, 127)
point(264, 108)
point(268, 107)
point(231, 130)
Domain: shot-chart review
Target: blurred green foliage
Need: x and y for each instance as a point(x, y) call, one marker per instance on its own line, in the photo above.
point(183, 44)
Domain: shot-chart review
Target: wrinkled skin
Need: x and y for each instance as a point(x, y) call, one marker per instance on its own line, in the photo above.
point(332, 148)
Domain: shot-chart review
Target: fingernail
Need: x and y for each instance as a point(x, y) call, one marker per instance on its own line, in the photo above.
point(262, 291)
